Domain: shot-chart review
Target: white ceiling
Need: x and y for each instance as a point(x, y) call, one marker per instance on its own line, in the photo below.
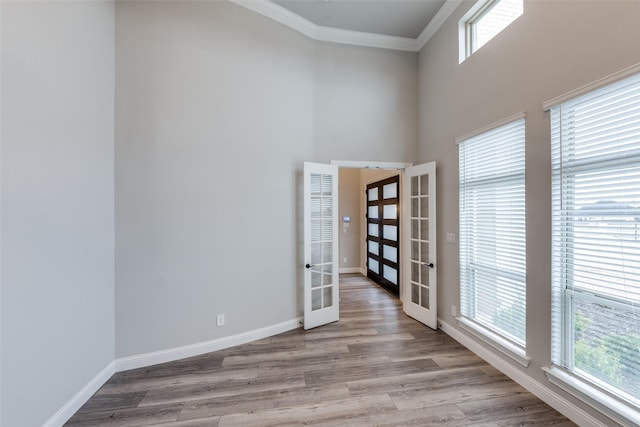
point(389, 24)
point(399, 18)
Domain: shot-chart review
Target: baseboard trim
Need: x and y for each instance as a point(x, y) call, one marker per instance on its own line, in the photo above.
point(71, 407)
point(163, 356)
point(350, 270)
point(550, 397)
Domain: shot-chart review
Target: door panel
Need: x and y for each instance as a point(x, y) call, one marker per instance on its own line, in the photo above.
point(419, 246)
point(320, 244)
point(382, 232)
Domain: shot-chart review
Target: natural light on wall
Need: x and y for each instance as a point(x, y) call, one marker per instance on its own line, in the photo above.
point(484, 21)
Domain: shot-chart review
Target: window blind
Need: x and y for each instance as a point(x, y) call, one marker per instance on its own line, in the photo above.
point(492, 230)
point(595, 144)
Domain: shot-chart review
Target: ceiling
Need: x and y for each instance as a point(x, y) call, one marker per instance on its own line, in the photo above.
point(389, 24)
point(399, 18)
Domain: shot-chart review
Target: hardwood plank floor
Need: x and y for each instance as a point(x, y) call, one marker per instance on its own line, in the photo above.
point(375, 367)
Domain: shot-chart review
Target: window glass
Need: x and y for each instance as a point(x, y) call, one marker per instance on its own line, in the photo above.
point(485, 20)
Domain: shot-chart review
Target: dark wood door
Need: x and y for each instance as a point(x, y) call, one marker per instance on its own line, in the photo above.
point(383, 233)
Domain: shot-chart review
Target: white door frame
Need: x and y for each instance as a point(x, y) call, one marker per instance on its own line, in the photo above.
point(370, 164)
point(400, 166)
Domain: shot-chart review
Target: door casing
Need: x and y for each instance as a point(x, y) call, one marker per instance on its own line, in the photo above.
point(404, 225)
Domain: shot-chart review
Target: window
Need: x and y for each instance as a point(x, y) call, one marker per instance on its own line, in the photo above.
point(492, 234)
point(484, 21)
point(595, 143)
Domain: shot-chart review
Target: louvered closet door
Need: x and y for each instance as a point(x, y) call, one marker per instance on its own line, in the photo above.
point(383, 226)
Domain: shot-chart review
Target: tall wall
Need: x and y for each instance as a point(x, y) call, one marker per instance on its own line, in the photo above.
point(57, 204)
point(216, 109)
point(556, 46)
point(365, 104)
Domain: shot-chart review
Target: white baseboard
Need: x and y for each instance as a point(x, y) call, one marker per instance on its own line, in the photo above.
point(350, 270)
point(363, 271)
point(550, 397)
point(163, 356)
point(71, 407)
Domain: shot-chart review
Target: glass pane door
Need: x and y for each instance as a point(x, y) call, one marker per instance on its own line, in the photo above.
point(420, 290)
point(320, 244)
point(383, 224)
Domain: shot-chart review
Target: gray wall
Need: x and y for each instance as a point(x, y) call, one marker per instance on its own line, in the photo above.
point(366, 104)
point(553, 48)
point(57, 210)
point(216, 109)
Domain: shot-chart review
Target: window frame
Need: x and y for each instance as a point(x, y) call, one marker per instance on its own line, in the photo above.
point(499, 341)
point(471, 23)
point(466, 27)
point(562, 371)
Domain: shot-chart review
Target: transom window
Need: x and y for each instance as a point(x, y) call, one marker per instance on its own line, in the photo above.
point(484, 21)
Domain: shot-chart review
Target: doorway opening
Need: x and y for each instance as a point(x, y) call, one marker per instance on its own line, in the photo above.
point(367, 243)
point(327, 230)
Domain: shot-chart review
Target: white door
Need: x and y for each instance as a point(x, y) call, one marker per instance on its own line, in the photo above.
point(320, 244)
point(419, 264)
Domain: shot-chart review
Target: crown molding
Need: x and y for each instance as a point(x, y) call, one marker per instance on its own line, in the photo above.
point(334, 35)
point(281, 15)
point(436, 22)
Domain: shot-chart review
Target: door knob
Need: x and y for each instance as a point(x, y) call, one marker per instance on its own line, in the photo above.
point(309, 265)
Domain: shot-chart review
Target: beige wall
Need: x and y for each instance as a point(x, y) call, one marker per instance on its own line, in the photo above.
point(556, 46)
point(349, 205)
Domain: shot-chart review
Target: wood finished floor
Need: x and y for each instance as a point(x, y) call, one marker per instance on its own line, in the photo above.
point(375, 367)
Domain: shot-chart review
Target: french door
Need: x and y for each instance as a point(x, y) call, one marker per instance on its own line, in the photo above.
point(321, 305)
point(383, 222)
point(419, 264)
point(418, 285)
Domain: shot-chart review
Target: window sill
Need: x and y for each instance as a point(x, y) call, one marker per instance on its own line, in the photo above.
point(497, 342)
point(605, 403)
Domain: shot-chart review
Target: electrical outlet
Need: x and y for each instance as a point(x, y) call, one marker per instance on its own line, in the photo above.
point(454, 311)
point(344, 260)
point(451, 238)
point(220, 320)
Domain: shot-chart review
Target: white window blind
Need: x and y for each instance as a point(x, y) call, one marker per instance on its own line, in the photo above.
point(595, 143)
point(492, 231)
